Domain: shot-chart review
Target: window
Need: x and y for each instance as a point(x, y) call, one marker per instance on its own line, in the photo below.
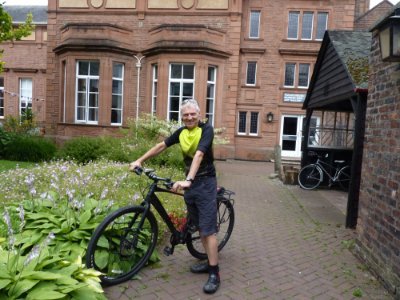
point(304, 71)
point(293, 25)
point(307, 26)
point(25, 95)
point(303, 75)
point(290, 70)
point(210, 100)
point(87, 92)
point(254, 123)
point(308, 30)
point(248, 123)
point(254, 24)
point(1, 97)
point(251, 73)
point(154, 90)
point(322, 25)
point(181, 87)
point(117, 93)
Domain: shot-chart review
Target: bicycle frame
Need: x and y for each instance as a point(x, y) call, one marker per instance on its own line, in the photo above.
point(151, 199)
point(320, 163)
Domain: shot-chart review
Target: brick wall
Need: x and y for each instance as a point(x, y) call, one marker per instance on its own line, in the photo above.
point(379, 206)
point(368, 19)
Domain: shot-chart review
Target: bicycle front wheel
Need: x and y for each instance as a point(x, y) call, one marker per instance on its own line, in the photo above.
point(344, 177)
point(310, 177)
point(122, 244)
point(225, 222)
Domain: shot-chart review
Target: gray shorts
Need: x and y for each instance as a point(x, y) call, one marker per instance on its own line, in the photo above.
point(201, 201)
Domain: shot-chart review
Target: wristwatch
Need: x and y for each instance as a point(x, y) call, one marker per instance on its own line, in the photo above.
point(189, 179)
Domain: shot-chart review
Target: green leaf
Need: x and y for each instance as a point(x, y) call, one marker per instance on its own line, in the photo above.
point(21, 287)
point(102, 257)
point(85, 217)
point(70, 287)
point(86, 293)
point(4, 283)
point(45, 291)
point(41, 275)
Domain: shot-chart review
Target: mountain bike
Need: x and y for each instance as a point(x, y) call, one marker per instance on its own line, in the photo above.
point(125, 240)
point(311, 176)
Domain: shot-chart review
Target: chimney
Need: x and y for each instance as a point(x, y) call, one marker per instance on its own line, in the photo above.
point(362, 6)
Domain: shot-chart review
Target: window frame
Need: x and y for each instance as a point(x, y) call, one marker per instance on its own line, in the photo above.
point(210, 99)
point(22, 94)
point(296, 21)
point(154, 89)
point(311, 30)
point(2, 104)
point(88, 79)
point(246, 122)
point(181, 82)
point(121, 95)
point(252, 24)
point(317, 27)
point(296, 75)
point(254, 74)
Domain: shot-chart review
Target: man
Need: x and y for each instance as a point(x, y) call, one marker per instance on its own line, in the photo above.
point(195, 140)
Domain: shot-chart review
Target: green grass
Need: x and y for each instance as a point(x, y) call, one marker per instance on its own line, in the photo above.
point(6, 165)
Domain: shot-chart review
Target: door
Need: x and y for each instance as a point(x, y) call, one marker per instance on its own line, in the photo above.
point(291, 134)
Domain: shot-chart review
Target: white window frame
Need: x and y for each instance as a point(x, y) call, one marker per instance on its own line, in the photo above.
point(308, 76)
point(294, 75)
point(296, 23)
point(246, 119)
point(25, 94)
point(296, 17)
point(88, 78)
point(181, 81)
point(311, 30)
point(2, 104)
point(254, 76)
point(154, 89)
point(120, 95)
point(325, 26)
point(210, 93)
point(254, 24)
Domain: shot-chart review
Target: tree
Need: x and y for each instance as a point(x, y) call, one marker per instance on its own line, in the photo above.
point(8, 32)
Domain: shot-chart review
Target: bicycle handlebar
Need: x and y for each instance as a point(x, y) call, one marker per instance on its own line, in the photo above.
point(153, 176)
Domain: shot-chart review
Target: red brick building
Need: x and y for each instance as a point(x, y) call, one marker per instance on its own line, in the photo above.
point(97, 61)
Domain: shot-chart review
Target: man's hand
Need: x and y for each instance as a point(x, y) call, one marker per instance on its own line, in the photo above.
point(134, 165)
point(181, 185)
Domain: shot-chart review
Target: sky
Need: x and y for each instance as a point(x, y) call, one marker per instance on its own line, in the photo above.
point(44, 2)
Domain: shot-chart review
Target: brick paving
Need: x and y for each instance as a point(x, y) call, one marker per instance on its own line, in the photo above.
point(287, 243)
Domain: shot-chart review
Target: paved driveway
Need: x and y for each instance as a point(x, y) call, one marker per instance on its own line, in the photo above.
point(287, 243)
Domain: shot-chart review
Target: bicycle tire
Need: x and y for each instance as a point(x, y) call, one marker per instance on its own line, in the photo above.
point(310, 177)
point(344, 177)
point(225, 223)
point(118, 249)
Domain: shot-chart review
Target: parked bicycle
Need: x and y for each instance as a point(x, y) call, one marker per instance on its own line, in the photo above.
point(311, 176)
point(123, 243)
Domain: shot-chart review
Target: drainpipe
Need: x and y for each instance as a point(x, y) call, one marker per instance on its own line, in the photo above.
point(138, 66)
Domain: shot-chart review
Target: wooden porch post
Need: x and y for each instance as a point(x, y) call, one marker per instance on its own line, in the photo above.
point(359, 106)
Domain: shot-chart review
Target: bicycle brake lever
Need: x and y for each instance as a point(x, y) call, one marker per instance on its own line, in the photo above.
point(138, 171)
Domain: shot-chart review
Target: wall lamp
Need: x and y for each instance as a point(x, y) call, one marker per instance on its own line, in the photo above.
point(270, 117)
point(389, 36)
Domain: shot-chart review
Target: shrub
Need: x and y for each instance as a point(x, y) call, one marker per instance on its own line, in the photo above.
point(29, 148)
point(81, 149)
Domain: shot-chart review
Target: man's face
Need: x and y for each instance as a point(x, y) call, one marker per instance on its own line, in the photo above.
point(190, 117)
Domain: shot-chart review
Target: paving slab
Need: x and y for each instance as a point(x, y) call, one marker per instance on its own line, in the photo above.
point(287, 243)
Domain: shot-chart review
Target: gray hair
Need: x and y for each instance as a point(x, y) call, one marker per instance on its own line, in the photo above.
point(190, 102)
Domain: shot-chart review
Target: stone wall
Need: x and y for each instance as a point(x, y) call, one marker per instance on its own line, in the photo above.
point(379, 207)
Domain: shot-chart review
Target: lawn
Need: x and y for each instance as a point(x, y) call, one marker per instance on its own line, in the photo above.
point(8, 165)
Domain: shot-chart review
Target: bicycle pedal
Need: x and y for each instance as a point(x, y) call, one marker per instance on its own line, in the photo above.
point(168, 250)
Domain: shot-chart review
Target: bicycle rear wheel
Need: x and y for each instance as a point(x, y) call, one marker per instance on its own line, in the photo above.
point(310, 177)
point(122, 244)
point(344, 178)
point(225, 222)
